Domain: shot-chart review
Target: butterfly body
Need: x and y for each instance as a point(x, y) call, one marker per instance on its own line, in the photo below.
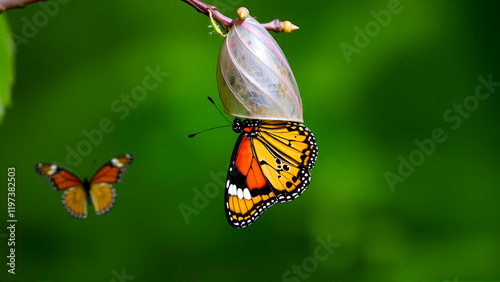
point(97, 191)
point(86, 187)
point(270, 164)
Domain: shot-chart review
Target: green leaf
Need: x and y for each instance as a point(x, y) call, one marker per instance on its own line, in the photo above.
point(6, 66)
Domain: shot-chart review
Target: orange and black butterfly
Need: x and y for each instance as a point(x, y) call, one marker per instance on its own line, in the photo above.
point(270, 163)
point(97, 191)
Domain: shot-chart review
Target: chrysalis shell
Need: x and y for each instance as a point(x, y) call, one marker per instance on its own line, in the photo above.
point(253, 75)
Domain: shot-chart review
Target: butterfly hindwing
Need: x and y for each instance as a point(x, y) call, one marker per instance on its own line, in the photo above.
point(103, 197)
point(74, 201)
point(247, 194)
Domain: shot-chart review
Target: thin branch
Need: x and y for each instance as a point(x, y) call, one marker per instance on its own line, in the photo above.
point(277, 26)
point(12, 4)
point(201, 7)
point(226, 22)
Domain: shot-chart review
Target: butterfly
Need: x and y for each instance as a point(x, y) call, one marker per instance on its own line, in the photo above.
point(270, 163)
point(97, 191)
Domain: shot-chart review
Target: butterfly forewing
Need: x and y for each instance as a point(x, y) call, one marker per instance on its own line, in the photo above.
point(286, 151)
point(247, 192)
point(58, 177)
point(293, 141)
point(112, 171)
point(288, 179)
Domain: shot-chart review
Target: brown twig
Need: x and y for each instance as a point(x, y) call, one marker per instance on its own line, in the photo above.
point(12, 4)
point(203, 8)
point(226, 22)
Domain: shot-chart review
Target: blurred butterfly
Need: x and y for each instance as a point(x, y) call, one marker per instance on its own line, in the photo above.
point(270, 163)
point(97, 191)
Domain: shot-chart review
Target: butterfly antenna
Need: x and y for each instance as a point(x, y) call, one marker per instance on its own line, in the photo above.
point(212, 101)
point(194, 134)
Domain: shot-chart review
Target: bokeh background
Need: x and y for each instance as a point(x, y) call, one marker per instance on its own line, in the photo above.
point(366, 109)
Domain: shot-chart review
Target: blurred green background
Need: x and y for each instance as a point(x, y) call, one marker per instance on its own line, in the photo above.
point(405, 79)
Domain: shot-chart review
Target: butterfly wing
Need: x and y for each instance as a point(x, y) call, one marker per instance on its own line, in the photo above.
point(58, 177)
point(112, 171)
point(74, 198)
point(103, 194)
point(74, 201)
point(103, 197)
point(247, 194)
point(286, 152)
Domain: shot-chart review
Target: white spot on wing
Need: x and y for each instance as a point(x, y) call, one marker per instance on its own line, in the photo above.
point(52, 170)
point(232, 189)
point(116, 162)
point(246, 194)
